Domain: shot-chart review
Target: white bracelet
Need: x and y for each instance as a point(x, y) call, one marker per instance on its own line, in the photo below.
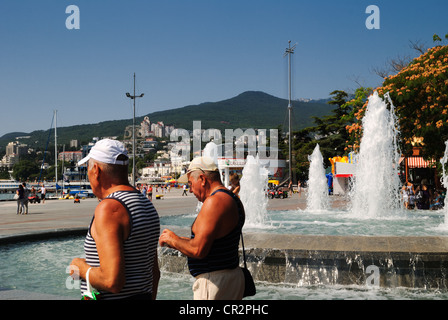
point(89, 287)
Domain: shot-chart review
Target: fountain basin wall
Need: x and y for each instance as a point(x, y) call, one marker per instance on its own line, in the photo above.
point(390, 262)
point(399, 261)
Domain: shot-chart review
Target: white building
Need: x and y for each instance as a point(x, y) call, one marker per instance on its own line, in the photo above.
point(13, 152)
point(69, 156)
point(157, 170)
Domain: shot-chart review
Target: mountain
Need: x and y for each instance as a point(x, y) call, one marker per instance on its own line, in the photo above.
point(251, 109)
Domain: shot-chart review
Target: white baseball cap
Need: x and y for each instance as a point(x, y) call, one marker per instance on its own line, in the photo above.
point(199, 163)
point(107, 151)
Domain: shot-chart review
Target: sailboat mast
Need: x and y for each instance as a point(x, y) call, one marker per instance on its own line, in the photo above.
point(56, 150)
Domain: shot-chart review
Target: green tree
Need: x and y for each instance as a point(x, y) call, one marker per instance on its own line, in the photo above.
point(436, 38)
point(357, 110)
point(329, 132)
point(23, 169)
point(4, 174)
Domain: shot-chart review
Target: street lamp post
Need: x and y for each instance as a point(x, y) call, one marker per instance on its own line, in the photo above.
point(288, 52)
point(133, 132)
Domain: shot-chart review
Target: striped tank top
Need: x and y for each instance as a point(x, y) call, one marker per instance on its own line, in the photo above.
point(139, 248)
point(224, 251)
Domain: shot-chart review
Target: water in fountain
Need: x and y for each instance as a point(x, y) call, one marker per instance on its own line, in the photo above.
point(317, 196)
point(23, 260)
point(253, 192)
point(211, 151)
point(376, 188)
point(444, 181)
point(253, 187)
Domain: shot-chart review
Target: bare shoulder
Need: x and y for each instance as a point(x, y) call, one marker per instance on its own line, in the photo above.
point(109, 206)
point(218, 215)
point(111, 212)
point(220, 202)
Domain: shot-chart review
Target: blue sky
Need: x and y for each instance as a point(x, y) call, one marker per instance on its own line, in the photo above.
point(189, 52)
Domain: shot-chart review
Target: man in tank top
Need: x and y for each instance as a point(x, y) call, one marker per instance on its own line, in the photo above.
point(121, 243)
point(212, 249)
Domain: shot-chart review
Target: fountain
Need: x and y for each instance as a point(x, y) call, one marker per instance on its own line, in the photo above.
point(53, 281)
point(211, 151)
point(373, 242)
point(254, 184)
point(317, 196)
point(376, 188)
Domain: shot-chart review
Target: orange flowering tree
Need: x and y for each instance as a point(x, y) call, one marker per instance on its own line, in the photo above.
point(419, 93)
point(358, 107)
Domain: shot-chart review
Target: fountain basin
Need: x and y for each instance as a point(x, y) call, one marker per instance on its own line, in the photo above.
point(412, 262)
point(304, 261)
point(415, 262)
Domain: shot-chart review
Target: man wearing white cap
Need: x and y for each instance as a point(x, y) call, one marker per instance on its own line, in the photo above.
point(121, 243)
point(212, 249)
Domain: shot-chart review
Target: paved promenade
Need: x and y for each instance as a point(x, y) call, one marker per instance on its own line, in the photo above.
point(65, 215)
point(62, 215)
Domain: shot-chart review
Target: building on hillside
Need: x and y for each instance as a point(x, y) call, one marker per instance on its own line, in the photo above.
point(14, 150)
point(149, 145)
point(74, 143)
point(157, 170)
point(145, 127)
point(70, 156)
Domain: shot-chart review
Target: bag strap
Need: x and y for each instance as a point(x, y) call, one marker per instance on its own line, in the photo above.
point(239, 204)
point(244, 255)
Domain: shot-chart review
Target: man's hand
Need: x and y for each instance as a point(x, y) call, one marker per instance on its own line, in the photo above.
point(166, 238)
point(75, 267)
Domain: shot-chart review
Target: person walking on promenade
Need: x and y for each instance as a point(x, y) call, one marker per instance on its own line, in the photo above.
point(184, 193)
point(212, 250)
point(19, 197)
point(121, 242)
point(150, 192)
point(25, 200)
point(43, 192)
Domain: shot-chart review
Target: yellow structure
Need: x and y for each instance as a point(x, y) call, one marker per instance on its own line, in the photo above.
point(337, 159)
